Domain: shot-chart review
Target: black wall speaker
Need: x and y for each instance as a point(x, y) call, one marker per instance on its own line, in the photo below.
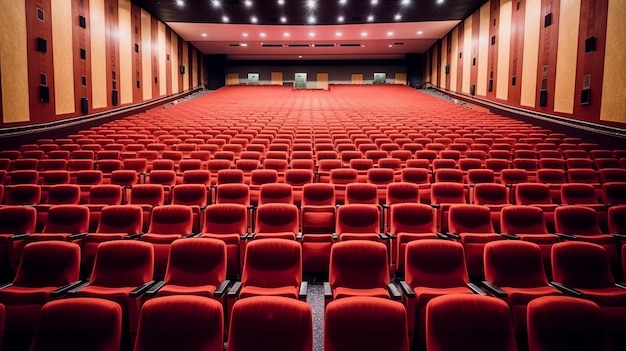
point(543, 98)
point(42, 45)
point(44, 93)
point(585, 96)
point(114, 97)
point(84, 105)
point(590, 44)
point(182, 69)
point(473, 89)
point(446, 69)
point(490, 85)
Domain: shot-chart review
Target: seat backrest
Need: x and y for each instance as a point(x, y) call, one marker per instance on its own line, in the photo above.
point(121, 219)
point(277, 217)
point(577, 193)
point(64, 194)
point(225, 218)
point(272, 263)
point(491, 194)
point(343, 176)
point(514, 263)
point(435, 263)
point(566, 323)
point(190, 194)
point(233, 193)
point(276, 323)
point(379, 323)
point(478, 320)
point(79, 324)
point(580, 264)
point(17, 219)
point(357, 218)
point(72, 219)
point(447, 192)
point(105, 194)
point(147, 194)
point(576, 220)
point(614, 193)
point(513, 176)
point(521, 219)
point(616, 220)
point(358, 264)
point(228, 176)
point(48, 263)
point(171, 219)
point(412, 218)
point(23, 194)
point(275, 193)
point(122, 263)
point(532, 194)
point(470, 219)
point(195, 262)
point(318, 194)
point(402, 192)
point(361, 193)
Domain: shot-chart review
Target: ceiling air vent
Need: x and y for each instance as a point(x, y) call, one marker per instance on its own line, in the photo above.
point(323, 45)
point(272, 45)
point(349, 45)
point(234, 44)
point(398, 43)
point(299, 45)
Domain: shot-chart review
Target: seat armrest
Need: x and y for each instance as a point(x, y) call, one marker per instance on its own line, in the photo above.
point(494, 290)
point(77, 236)
point(510, 236)
point(453, 236)
point(391, 236)
point(328, 291)
point(78, 288)
point(567, 236)
point(134, 236)
point(140, 290)
point(244, 236)
point(188, 235)
point(476, 289)
point(442, 236)
point(406, 289)
point(234, 290)
point(6, 285)
point(21, 236)
point(619, 236)
point(221, 289)
point(299, 236)
point(304, 290)
point(385, 206)
point(621, 285)
point(435, 206)
point(394, 291)
point(154, 289)
point(65, 289)
point(566, 289)
point(383, 236)
point(335, 237)
point(250, 236)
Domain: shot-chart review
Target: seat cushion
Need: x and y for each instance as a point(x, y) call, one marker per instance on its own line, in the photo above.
point(21, 295)
point(341, 292)
point(201, 290)
point(285, 291)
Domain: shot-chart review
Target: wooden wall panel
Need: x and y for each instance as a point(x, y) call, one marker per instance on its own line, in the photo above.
point(277, 78)
point(357, 78)
point(126, 49)
point(399, 78)
point(162, 58)
point(467, 55)
point(322, 81)
point(137, 41)
point(112, 51)
point(146, 55)
point(460, 57)
point(232, 79)
point(475, 46)
point(181, 86)
point(530, 57)
point(504, 50)
point(483, 50)
point(154, 57)
point(517, 48)
point(175, 63)
point(61, 17)
point(428, 66)
point(565, 78)
point(185, 62)
point(492, 65)
point(454, 59)
point(98, 55)
point(445, 78)
point(39, 63)
point(82, 67)
point(168, 60)
point(613, 92)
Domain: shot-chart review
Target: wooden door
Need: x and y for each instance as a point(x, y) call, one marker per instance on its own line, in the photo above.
point(400, 78)
point(322, 81)
point(232, 79)
point(277, 78)
point(357, 78)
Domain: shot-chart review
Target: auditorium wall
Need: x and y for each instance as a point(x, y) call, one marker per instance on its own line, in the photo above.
point(67, 58)
point(564, 58)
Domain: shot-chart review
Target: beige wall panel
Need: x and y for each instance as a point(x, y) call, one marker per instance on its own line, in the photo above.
point(565, 87)
point(322, 81)
point(14, 61)
point(277, 78)
point(232, 79)
point(97, 30)
point(434, 73)
point(504, 50)
point(146, 56)
point(530, 60)
point(194, 77)
point(61, 18)
point(467, 55)
point(125, 52)
point(427, 70)
point(162, 59)
point(186, 63)
point(400, 78)
point(175, 68)
point(613, 92)
point(444, 58)
point(483, 50)
point(357, 78)
point(454, 58)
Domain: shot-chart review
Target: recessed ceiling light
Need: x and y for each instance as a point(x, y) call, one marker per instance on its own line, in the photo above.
point(370, 18)
point(406, 2)
point(281, 2)
point(440, 1)
point(216, 3)
point(420, 32)
point(286, 34)
point(311, 19)
point(243, 44)
point(397, 17)
point(389, 34)
point(253, 19)
point(311, 34)
point(300, 56)
point(311, 4)
point(180, 3)
point(374, 2)
point(283, 19)
point(364, 34)
point(262, 35)
point(340, 19)
point(245, 34)
point(390, 45)
point(248, 3)
point(342, 2)
point(204, 34)
point(363, 45)
point(338, 34)
point(224, 18)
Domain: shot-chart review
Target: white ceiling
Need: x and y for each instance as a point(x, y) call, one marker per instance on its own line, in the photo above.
point(378, 43)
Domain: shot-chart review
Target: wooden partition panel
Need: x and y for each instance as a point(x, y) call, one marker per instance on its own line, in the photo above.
point(277, 78)
point(400, 78)
point(322, 81)
point(357, 78)
point(232, 79)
